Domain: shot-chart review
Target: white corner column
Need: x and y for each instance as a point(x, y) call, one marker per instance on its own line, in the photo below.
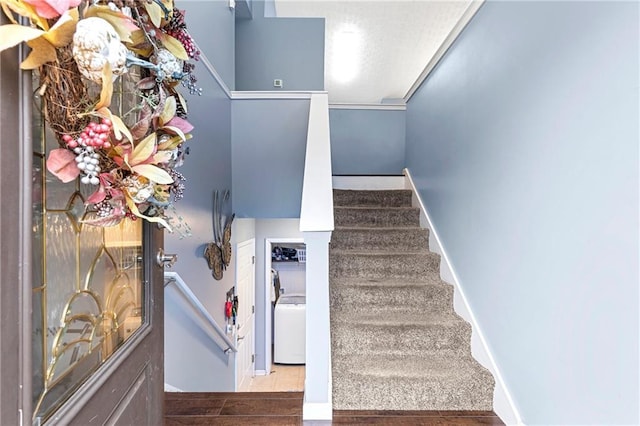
point(317, 396)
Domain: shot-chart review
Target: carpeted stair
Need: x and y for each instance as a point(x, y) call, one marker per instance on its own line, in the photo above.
point(397, 343)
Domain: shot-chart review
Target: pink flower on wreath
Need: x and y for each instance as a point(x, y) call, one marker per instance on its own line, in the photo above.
point(106, 187)
point(49, 9)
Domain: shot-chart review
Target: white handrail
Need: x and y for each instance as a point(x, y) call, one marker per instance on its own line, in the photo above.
point(316, 211)
point(200, 310)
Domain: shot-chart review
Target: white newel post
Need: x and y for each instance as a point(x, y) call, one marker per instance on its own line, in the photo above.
point(317, 395)
point(316, 224)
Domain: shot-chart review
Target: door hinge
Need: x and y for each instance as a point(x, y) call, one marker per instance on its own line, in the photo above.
point(253, 358)
point(253, 260)
point(253, 309)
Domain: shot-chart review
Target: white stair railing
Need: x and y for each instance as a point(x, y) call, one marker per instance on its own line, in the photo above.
point(199, 313)
point(316, 224)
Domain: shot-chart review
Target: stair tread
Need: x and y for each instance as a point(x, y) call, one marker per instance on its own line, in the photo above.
point(356, 207)
point(382, 252)
point(388, 282)
point(379, 228)
point(373, 191)
point(359, 252)
point(402, 320)
point(371, 197)
point(423, 366)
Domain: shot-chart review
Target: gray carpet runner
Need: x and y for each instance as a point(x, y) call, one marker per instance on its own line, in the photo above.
point(397, 343)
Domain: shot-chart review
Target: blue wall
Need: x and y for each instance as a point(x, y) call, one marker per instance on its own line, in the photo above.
point(244, 9)
point(207, 168)
point(291, 49)
point(269, 144)
point(524, 146)
point(212, 25)
point(367, 142)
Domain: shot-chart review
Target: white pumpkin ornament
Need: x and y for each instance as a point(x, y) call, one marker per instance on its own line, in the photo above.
point(168, 66)
point(95, 43)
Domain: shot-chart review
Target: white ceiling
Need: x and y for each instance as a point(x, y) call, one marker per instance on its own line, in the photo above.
point(377, 49)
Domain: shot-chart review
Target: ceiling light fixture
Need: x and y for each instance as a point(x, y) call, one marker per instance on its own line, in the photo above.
point(345, 54)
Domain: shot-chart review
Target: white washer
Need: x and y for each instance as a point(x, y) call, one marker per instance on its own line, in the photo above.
point(289, 329)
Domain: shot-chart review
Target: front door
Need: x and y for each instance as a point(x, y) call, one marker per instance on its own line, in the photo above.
point(109, 333)
point(82, 320)
point(245, 277)
point(97, 304)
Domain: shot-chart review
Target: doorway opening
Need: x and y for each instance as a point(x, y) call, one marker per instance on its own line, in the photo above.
point(285, 316)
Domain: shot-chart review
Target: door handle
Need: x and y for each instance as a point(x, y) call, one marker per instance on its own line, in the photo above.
point(163, 259)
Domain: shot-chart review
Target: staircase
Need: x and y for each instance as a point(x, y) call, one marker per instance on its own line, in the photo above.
point(397, 343)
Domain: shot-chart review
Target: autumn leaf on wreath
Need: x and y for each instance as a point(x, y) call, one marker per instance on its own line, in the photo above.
point(107, 88)
point(62, 164)
point(134, 209)
point(155, 13)
point(50, 9)
point(173, 45)
point(124, 25)
point(105, 188)
point(23, 9)
point(169, 122)
point(119, 128)
point(142, 160)
point(43, 43)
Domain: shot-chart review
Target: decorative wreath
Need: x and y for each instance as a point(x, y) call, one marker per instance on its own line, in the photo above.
point(79, 49)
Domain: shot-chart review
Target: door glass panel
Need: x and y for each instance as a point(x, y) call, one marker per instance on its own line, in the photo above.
point(88, 294)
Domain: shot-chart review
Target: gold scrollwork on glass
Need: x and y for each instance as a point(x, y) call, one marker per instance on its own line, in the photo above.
point(87, 289)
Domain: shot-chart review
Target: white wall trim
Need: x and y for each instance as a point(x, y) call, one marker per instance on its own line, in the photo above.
point(503, 403)
point(260, 372)
point(466, 17)
point(368, 182)
point(212, 70)
point(317, 411)
point(383, 107)
point(261, 95)
point(170, 388)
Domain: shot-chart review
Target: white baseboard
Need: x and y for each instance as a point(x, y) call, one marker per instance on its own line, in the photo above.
point(368, 182)
point(260, 373)
point(503, 404)
point(317, 411)
point(169, 388)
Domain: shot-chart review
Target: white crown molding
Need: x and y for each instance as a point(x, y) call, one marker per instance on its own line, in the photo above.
point(466, 17)
point(280, 94)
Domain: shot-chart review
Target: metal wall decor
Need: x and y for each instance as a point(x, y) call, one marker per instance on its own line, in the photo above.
point(218, 252)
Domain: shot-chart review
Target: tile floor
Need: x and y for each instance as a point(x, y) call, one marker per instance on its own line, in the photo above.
point(283, 378)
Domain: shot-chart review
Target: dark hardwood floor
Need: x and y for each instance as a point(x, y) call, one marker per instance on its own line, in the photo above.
point(285, 408)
